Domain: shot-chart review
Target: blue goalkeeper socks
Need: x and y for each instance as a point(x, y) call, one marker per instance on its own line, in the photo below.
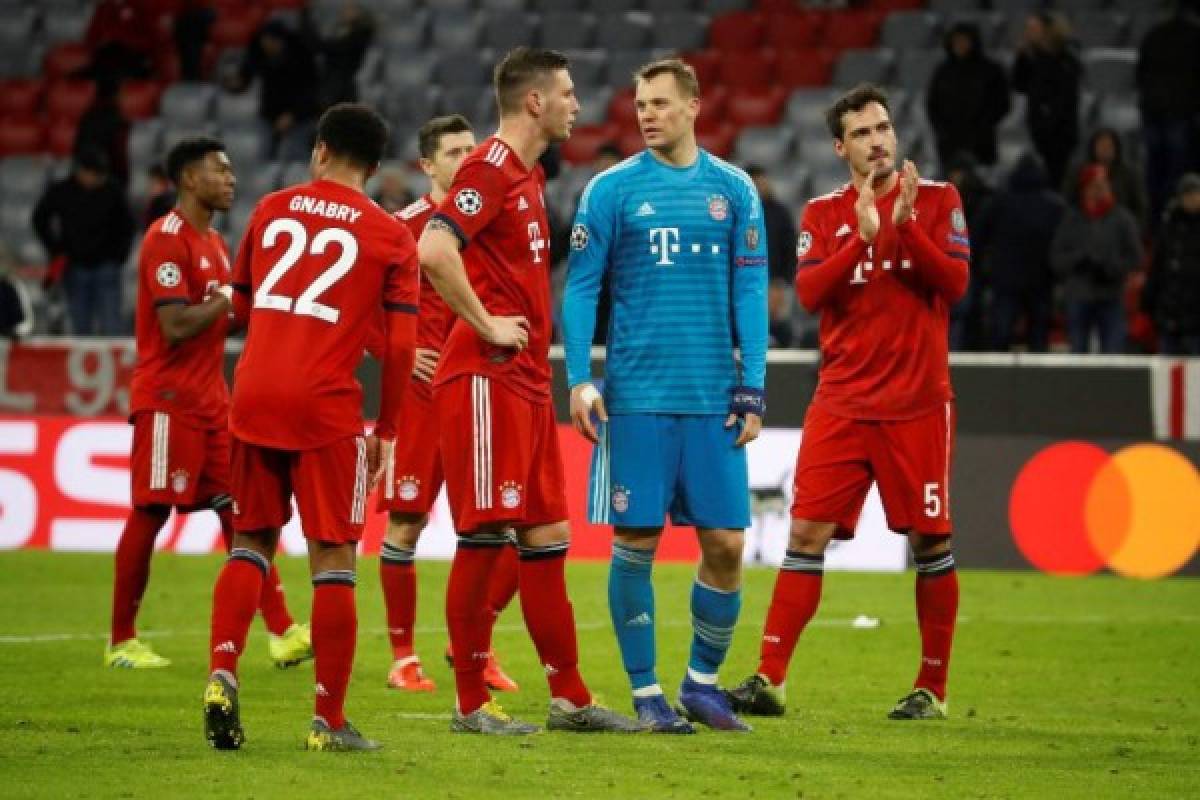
point(631, 604)
point(714, 616)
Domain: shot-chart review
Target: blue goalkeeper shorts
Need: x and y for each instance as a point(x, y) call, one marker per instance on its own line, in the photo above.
point(649, 465)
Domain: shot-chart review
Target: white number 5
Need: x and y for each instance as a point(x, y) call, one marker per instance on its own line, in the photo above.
point(306, 304)
point(933, 503)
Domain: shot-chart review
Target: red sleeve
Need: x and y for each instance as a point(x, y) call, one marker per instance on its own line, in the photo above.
point(941, 260)
point(400, 293)
point(475, 199)
point(822, 268)
point(243, 281)
point(165, 262)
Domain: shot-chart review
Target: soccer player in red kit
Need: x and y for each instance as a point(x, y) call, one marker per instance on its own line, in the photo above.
point(317, 264)
point(499, 440)
point(179, 401)
point(882, 259)
point(413, 466)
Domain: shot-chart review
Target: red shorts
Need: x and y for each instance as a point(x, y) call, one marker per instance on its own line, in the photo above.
point(175, 464)
point(908, 459)
point(412, 476)
point(500, 453)
point(330, 485)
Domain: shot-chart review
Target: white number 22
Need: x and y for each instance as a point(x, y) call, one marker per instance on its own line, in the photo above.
point(306, 304)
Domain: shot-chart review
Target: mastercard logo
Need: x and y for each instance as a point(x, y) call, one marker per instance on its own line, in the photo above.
point(1075, 509)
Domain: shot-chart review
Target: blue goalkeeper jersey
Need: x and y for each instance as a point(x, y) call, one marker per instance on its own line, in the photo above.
point(685, 254)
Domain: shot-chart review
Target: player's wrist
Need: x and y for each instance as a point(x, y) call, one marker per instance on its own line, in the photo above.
point(588, 393)
point(748, 400)
point(225, 291)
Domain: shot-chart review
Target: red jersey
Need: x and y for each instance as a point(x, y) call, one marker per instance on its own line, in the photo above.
point(497, 210)
point(319, 261)
point(179, 264)
point(884, 334)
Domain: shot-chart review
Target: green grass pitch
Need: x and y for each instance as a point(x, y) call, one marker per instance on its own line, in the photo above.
point(1065, 688)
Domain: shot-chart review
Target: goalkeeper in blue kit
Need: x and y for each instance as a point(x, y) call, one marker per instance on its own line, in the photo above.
point(678, 234)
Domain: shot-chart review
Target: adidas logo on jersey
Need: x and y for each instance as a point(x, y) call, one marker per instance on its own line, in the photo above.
point(205, 263)
point(522, 205)
point(843, 231)
point(645, 210)
point(640, 620)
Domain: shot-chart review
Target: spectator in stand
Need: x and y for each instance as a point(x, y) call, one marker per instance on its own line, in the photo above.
point(16, 312)
point(84, 222)
point(161, 195)
point(967, 329)
point(1047, 71)
point(124, 40)
point(1095, 248)
point(190, 31)
point(1168, 79)
point(1128, 184)
point(967, 98)
point(1172, 293)
point(287, 71)
point(393, 193)
point(780, 229)
point(103, 127)
point(342, 51)
point(1012, 240)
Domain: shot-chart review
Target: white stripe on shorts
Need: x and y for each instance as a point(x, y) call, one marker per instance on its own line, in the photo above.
point(481, 403)
point(359, 504)
point(158, 450)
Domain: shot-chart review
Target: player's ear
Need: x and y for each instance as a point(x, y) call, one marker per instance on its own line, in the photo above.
point(426, 166)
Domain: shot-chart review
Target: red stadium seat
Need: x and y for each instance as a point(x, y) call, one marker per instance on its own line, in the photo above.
point(65, 59)
point(235, 27)
point(852, 30)
point(777, 6)
point(621, 108)
point(895, 5)
point(21, 96)
point(707, 64)
point(60, 135)
point(798, 29)
point(21, 135)
point(712, 108)
point(805, 67)
point(586, 141)
point(740, 30)
point(139, 99)
point(69, 98)
point(762, 106)
point(748, 69)
point(630, 142)
point(719, 142)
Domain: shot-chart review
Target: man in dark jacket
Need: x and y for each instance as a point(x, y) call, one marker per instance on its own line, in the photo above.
point(967, 98)
point(1048, 72)
point(1012, 242)
point(1172, 293)
point(967, 316)
point(781, 256)
point(1168, 79)
point(85, 220)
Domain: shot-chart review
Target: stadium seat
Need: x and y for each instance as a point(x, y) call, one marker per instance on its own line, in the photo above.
point(629, 141)
point(892, 6)
point(411, 105)
point(1110, 69)
point(740, 30)
point(679, 31)
point(1120, 112)
point(798, 68)
point(586, 141)
point(547, 6)
point(409, 69)
point(60, 135)
point(806, 108)
point(21, 136)
point(914, 68)
point(1100, 29)
point(16, 26)
point(466, 100)
point(588, 67)
point(848, 30)
point(629, 31)
point(761, 106)
point(623, 63)
point(612, 6)
point(173, 134)
point(666, 6)
point(767, 146)
point(593, 105)
point(462, 68)
point(66, 25)
point(235, 27)
point(712, 108)
point(749, 69)
point(993, 27)
point(63, 60)
point(722, 6)
point(946, 7)
point(909, 29)
point(69, 98)
point(1071, 7)
point(263, 179)
point(145, 137)
point(707, 64)
point(791, 185)
point(188, 103)
point(567, 31)
point(246, 145)
point(503, 32)
point(621, 109)
point(23, 177)
point(139, 99)
point(1015, 6)
point(237, 106)
point(455, 30)
point(405, 36)
point(21, 96)
point(790, 31)
point(720, 141)
point(858, 66)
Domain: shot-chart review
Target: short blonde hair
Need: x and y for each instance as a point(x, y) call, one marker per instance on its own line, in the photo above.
point(685, 75)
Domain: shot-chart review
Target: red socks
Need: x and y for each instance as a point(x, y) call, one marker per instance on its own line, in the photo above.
point(132, 569)
point(235, 599)
point(551, 620)
point(503, 584)
point(398, 576)
point(467, 618)
point(937, 610)
point(793, 604)
point(272, 602)
point(334, 635)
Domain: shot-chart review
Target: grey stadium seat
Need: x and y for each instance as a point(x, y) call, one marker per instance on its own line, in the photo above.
point(663, 6)
point(1074, 6)
point(411, 104)
point(952, 6)
point(145, 140)
point(612, 6)
point(462, 68)
point(547, 6)
point(806, 107)
point(1120, 112)
point(455, 30)
point(16, 26)
point(263, 179)
point(993, 28)
point(568, 30)
point(406, 34)
point(470, 101)
point(623, 63)
point(22, 177)
point(503, 5)
point(909, 29)
point(237, 107)
point(623, 31)
point(1100, 29)
point(679, 30)
point(715, 7)
point(914, 68)
point(1110, 69)
point(409, 69)
point(766, 146)
point(593, 105)
point(246, 144)
point(66, 25)
point(1015, 6)
point(858, 66)
point(504, 32)
point(174, 133)
point(588, 67)
point(187, 103)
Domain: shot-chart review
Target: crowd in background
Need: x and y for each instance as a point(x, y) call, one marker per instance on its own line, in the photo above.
point(1090, 242)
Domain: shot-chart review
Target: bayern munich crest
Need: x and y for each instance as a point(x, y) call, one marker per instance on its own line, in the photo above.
point(407, 488)
point(718, 207)
point(620, 499)
point(469, 202)
point(179, 481)
point(510, 494)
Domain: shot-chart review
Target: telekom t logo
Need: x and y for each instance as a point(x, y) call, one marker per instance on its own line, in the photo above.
point(664, 242)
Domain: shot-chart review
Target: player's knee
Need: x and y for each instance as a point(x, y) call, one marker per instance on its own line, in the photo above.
point(722, 553)
point(542, 535)
point(924, 545)
point(811, 537)
point(157, 510)
point(404, 530)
